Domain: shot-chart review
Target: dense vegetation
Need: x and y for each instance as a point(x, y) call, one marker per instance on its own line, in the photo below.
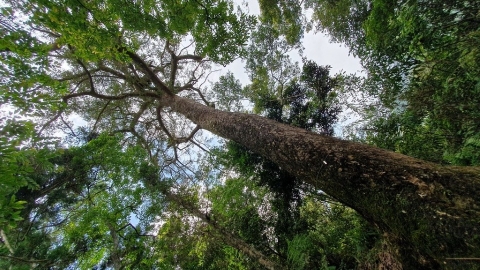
point(139, 184)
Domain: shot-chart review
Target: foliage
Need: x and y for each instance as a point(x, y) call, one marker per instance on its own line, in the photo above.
point(91, 27)
point(50, 49)
point(60, 224)
point(340, 237)
point(285, 17)
point(15, 169)
point(307, 101)
point(421, 62)
point(228, 93)
point(133, 190)
point(409, 134)
point(341, 19)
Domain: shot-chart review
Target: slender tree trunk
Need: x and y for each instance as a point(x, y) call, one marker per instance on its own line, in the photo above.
point(228, 237)
point(431, 212)
point(115, 252)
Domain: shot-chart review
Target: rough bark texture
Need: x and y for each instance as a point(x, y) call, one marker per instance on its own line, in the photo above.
point(430, 212)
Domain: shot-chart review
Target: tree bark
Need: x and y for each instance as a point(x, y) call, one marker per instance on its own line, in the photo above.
point(430, 212)
point(115, 252)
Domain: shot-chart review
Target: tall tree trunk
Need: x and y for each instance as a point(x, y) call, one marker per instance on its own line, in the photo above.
point(431, 212)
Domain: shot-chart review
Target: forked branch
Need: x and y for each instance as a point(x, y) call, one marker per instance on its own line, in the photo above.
point(149, 72)
point(176, 59)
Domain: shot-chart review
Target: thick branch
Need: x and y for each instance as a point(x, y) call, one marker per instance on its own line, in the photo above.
point(189, 57)
point(150, 73)
point(183, 88)
point(189, 137)
point(173, 65)
point(139, 114)
point(108, 97)
point(162, 125)
point(115, 253)
point(90, 79)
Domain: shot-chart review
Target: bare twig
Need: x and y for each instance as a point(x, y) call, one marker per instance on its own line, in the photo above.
point(68, 126)
point(50, 122)
point(135, 229)
point(112, 71)
point(18, 259)
point(201, 147)
point(74, 76)
point(100, 114)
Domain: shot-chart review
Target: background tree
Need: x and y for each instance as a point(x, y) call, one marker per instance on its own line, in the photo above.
point(418, 57)
point(60, 225)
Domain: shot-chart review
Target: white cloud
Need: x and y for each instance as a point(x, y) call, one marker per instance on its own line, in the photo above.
point(319, 49)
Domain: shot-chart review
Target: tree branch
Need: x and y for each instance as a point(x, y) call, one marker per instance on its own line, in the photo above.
point(202, 96)
point(162, 125)
point(112, 71)
point(149, 72)
point(200, 146)
point(185, 87)
point(22, 259)
point(50, 122)
point(68, 126)
point(107, 97)
point(100, 114)
point(5, 241)
point(230, 239)
point(135, 229)
point(173, 64)
point(189, 57)
point(90, 79)
point(75, 76)
point(186, 139)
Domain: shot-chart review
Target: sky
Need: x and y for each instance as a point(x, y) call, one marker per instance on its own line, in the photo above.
point(317, 48)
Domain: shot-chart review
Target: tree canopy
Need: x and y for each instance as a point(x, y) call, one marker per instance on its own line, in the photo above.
point(118, 151)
